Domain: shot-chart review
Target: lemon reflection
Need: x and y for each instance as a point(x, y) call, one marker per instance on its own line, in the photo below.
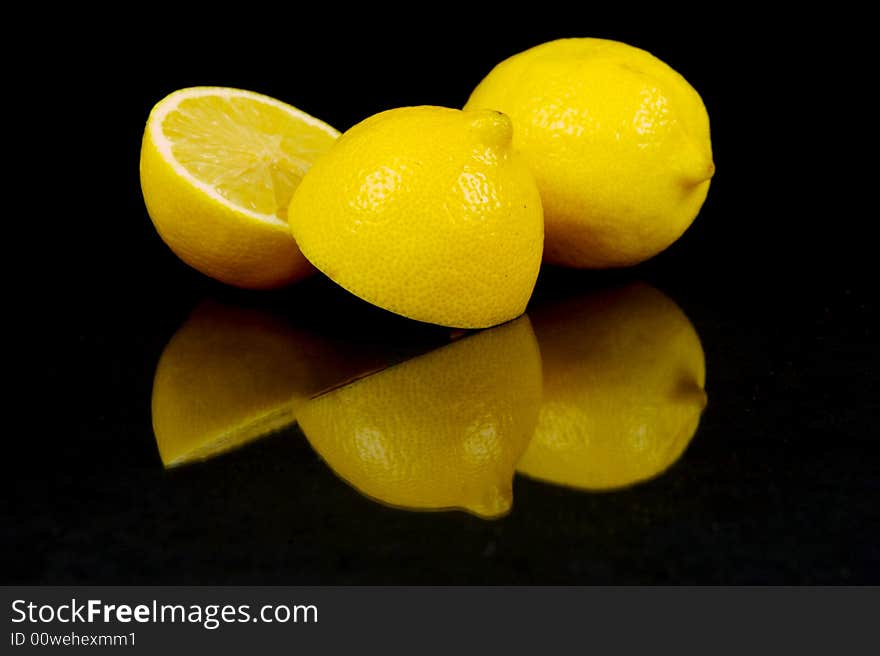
point(597, 392)
point(443, 430)
point(623, 389)
point(230, 375)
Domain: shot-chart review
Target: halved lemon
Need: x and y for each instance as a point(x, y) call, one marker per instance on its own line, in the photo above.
point(218, 168)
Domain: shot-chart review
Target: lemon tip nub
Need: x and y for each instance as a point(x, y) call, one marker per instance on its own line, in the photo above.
point(495, 502)
point(491, 127)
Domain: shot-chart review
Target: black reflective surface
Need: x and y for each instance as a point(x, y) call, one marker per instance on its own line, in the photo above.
point(778, 485)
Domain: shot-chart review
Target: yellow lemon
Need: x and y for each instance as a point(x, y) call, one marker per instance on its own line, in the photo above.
point(617, 140)
point(218, 167)
point(443, 430)
point(623, 389)
point(426, 212)
point(231, 375)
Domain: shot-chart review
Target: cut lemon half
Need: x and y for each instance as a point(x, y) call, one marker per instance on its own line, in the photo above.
point(218, 168)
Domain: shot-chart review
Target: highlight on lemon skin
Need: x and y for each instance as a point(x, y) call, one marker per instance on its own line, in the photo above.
point(617, 140)
point(624, 377)
point(440, 431)
point(218, 168)
point(232, 375)
point(426, 212)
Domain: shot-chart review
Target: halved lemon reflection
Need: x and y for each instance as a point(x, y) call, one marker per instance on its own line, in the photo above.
point(624, 373)
point(231, 375)
point(440, 431)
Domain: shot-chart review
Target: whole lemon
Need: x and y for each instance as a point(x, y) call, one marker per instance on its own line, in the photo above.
point(426, 212)
point(617, 140)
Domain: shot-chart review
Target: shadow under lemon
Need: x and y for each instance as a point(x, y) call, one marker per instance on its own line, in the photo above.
point(440, 431)
point(623, 383)
point(231, 375)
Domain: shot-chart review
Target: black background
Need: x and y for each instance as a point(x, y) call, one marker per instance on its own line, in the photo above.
point(779, 486)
